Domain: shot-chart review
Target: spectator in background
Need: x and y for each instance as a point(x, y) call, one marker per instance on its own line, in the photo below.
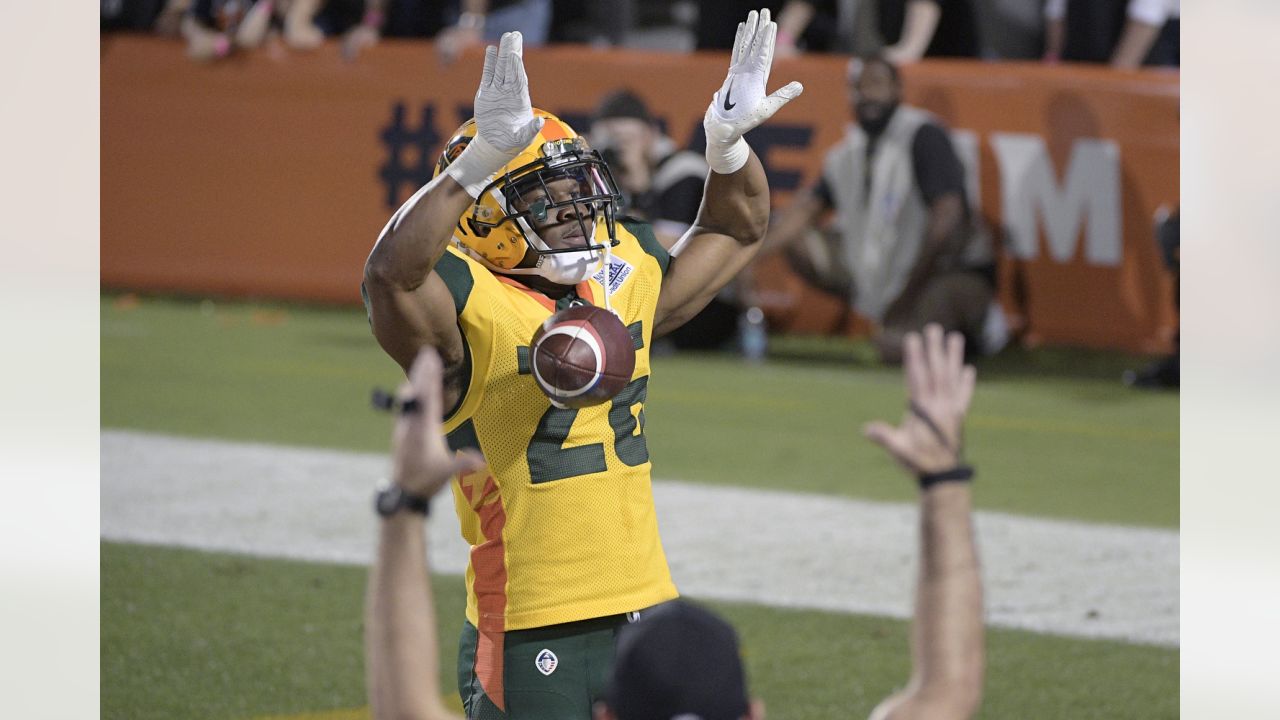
point(718, 21)
point(358, 23)
point(1125, 33)
point(661, 184)
point(133, 15)
point(902, 30)
point(478, 22)
point(1166, 371)
point(927, 28)
point(838, 26)
point(214, 28)
point(911, 250)
point(678, 660)
point(413, 19)
point(169, 22)
point(599, 23)
point(1010, 29)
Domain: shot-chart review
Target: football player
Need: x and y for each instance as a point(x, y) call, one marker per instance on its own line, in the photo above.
point(521, 220)
point(682, 661)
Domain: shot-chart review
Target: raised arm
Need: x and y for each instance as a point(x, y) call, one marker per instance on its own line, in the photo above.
point(735, 203)
point(401, 655)
point(947, 646)
point(409, 305)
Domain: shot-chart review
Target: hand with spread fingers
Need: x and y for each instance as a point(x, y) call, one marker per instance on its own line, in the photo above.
point(939, 388)
point(505, 123)
point(422, 460)
point(741, 103)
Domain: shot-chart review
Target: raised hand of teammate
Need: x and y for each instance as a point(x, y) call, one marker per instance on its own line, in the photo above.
point(741, 103)
point(939, 388)
point(505, 123)
point(422, 462)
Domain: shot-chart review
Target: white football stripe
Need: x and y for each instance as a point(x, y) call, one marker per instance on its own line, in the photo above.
point(800, 550)
point(589, 338)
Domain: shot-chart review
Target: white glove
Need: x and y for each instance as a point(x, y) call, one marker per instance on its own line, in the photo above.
point(505, 123)
point(741, 103)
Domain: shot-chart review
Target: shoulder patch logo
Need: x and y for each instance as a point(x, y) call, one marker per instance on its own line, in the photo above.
point(546, 662)
point(619, 271)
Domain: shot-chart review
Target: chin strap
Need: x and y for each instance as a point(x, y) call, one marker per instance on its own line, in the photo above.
point(608, 265)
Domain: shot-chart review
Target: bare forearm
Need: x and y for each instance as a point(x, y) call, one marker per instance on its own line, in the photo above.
point(417, 235)
point(1054, 39)
point(400, 630)
point(918, 27)
point(947, 639)
point(1134, 44)
point(795, 17)
point(737, 204)
point(946, 215)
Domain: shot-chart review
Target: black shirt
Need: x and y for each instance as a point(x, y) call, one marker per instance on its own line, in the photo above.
point(955, 36)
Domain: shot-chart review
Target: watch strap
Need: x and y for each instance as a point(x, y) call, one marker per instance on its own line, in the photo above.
point(392, 498)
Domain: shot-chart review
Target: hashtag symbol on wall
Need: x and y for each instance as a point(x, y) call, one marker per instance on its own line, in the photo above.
point(399, 138)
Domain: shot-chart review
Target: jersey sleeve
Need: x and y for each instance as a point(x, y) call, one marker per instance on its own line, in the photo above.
point(644, 233)
point(456, 274)
point(937, 167)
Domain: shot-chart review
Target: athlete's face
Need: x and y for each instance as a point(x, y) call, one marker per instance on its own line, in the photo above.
point(564, 226)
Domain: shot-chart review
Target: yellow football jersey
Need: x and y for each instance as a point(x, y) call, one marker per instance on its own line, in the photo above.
point(561, 523)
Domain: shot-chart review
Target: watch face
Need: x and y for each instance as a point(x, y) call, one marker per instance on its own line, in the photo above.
point(388, 500)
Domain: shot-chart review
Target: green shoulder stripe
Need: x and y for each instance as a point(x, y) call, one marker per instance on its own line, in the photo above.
point(456, 274)
point(644, 233)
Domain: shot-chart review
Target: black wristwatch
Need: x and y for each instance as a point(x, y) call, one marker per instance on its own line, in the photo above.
point(391, 499)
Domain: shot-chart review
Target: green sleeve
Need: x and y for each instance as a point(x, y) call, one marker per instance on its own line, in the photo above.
point(644, 233)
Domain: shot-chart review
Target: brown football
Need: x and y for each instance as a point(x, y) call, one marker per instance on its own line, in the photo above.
point(582, 356)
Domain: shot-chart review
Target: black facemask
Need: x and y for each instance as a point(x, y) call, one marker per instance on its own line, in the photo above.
point(874, 116)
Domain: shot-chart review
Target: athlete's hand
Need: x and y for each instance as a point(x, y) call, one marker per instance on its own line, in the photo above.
point(939, 388)
point(422, 460)
point(741, 103)
point(504, 115)
point(505, 123)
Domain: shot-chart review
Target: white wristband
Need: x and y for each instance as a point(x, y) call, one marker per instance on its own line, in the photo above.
point(726, 159)
point(477, 165)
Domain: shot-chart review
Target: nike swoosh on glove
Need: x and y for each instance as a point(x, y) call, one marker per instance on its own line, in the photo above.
point(741, 103)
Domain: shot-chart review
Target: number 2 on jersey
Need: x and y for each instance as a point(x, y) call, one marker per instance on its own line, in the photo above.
point(550, 460)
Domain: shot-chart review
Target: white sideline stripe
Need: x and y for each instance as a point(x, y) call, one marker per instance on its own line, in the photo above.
point(773, 548)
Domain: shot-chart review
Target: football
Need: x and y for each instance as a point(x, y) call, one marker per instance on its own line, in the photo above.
point(582, 356)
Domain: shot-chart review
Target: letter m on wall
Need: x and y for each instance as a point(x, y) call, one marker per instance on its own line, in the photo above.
point(1089, 196)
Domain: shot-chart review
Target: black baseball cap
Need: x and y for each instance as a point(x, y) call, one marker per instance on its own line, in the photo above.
point(678, 661)
point(622, 104)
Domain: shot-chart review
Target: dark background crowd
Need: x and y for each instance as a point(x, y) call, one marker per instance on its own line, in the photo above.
point(1124, 33)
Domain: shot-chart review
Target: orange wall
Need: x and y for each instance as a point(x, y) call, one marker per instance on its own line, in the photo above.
point(270, 174)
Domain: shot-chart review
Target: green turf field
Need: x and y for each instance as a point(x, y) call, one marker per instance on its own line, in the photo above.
point(1065, 442)
point(200, 635)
